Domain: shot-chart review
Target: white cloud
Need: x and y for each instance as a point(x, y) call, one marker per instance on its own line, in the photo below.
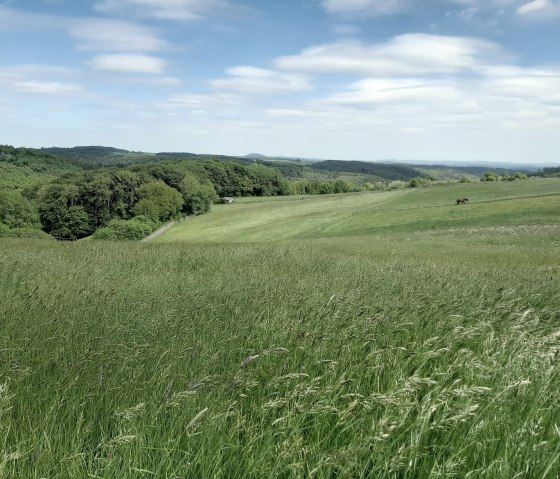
point(38, 70)
point(500, 99)
point(12, 19)
point(47, 88)
point(376, 7)
point(410, 54)
point(538, 8)
point(373, 92)
point(114, 35)
point(537, 86)
point(170, 9)
point(533, 6)
point(40, 79)
point(223, 105)
point(252, 80)
point(391, 7)
point(124, 63)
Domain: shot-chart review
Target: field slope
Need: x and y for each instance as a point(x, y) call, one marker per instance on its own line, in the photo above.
point(297, 217)
point(392, 335)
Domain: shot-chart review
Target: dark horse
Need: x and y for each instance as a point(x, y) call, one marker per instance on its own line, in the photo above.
point(462, 201)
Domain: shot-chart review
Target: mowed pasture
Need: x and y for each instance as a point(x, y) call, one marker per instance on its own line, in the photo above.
point(407, 210)
point(378, 335)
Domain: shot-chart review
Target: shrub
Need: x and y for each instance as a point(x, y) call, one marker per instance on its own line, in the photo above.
point(418, 182)
point(24, 232)
point(133, 229)
point(489, 176)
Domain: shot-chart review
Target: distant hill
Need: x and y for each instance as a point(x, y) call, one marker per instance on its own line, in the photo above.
point(100, 155)
point(255, 156)
point(486, 165)
point(85, 151)
point(23, 167)
point(445, 172)
point(27, 165)
point(381, 170)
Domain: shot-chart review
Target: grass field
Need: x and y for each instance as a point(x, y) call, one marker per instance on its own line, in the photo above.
point(409, 210)
point(380, 335)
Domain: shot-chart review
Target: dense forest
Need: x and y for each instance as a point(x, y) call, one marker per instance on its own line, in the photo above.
point(64, 194)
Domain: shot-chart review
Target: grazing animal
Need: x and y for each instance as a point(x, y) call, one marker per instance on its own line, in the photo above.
point(462, 201)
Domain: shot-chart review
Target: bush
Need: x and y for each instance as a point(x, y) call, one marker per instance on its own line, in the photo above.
point(418, 182)
point(489, 176)
point(135, 229)
point(24, 232)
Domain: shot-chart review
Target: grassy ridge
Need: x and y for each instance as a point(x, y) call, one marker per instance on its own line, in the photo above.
point(410, 210)
point(426, 354)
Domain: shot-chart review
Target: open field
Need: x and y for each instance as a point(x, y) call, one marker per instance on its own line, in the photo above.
point(382, 335)
point(407, 210)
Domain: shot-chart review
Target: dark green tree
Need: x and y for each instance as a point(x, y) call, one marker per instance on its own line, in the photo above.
point(198, 196)
point(17, 211)
point(75, 224)
point(159, 202)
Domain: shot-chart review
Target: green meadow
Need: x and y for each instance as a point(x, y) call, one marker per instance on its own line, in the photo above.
point(370, 335)
point(401, 211)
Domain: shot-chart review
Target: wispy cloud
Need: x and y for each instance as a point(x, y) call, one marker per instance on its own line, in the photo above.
point(391, 7)
point(12, 19)
point(374, 7)
point(259, 81)
point(172, 9)
point(46, 88)
point(114, 35)
point(39, 79)
point(124, 63)
point(374, 92)
point(410, 54)
point(539, 8)
point(346, 29)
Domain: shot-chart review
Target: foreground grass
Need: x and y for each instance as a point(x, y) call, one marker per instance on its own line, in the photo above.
point(433, 354)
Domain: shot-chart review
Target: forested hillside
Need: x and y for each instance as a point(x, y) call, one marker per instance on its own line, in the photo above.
point(71, 193)
point(69, 198)
point(26, 167)
point(381, 170)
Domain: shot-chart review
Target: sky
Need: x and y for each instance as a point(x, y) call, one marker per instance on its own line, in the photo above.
point(374, 80)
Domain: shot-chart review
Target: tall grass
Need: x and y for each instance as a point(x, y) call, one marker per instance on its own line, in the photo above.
point(426, 355)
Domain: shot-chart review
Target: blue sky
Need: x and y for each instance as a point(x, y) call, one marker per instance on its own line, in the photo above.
point(430, 80)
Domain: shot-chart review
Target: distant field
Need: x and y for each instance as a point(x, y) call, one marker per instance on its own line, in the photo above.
point(275, 219)
point(383, 335)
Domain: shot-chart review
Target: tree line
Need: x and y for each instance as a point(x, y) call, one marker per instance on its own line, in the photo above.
point(129, 203)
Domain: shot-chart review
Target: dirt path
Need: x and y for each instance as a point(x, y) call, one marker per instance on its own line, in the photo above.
point(159, 231)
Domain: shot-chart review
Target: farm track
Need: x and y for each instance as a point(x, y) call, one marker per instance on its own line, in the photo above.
point(159, 231)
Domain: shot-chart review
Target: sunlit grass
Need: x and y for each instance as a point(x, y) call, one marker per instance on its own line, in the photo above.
point(432, 353)
point(276, 219)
